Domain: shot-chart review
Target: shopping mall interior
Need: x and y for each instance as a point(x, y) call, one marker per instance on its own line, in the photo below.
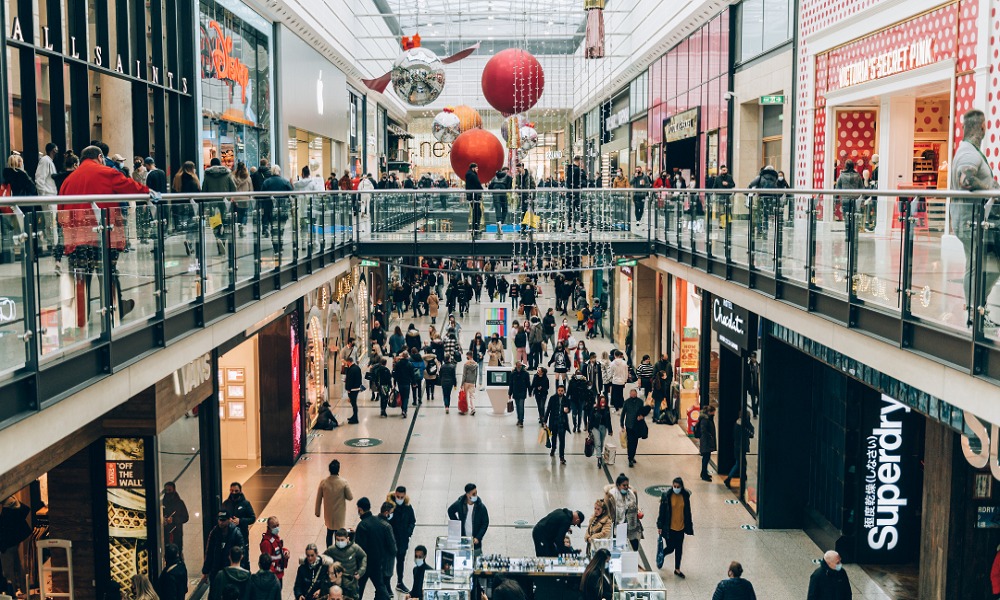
point(499, 300)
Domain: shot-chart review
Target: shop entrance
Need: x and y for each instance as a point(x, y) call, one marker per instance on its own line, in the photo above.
point(682, 157)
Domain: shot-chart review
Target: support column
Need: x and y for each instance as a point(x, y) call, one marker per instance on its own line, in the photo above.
point(645, 313)
point(895, 145)
point(936, 527)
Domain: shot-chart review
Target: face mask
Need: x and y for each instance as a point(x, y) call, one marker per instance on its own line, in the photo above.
point(418, 562)
point(400, 500)
point(389, 518)
point(839, 567)
point(676, 490)
point(275, 530)
point(341, 544)
point(474, 499)
point(624, 491)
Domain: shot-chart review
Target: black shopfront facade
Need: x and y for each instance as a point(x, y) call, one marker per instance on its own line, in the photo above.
point(119, 71)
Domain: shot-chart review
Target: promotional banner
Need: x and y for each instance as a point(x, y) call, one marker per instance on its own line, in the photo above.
point(125, 481)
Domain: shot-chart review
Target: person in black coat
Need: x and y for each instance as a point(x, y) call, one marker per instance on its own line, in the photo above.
point(672, 526)
point(734, 588)
point(517, 390)
point(172, 584)
point(540, 390)
point(829, 581)
point(402, 374)
point(175, 515)
point(557, 418)
point(239, 508)
point(263, 585)
point(312, 580)
point(459, 511)
point(420, 568)
point(550, 533)
point(403, 522)
point(374, 536)
point(223, 537)
point(472, 184)
point(596, 581)
point(353, 381)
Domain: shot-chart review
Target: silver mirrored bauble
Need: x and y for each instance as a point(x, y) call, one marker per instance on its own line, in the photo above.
point(529, 137)
point(504, 125)
point(418, 76)
point(447, 127)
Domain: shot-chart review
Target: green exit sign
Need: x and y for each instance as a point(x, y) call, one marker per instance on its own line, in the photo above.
point(772, 99)
point(366, 262)
point(626, 262)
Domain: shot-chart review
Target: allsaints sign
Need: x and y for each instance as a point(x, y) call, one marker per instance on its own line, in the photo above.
point(98, 59)
point(730, 322)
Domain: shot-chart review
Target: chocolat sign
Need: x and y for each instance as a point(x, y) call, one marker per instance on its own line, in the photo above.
point(731, 322)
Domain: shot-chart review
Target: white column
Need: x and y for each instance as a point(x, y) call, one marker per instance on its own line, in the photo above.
point(895, 150)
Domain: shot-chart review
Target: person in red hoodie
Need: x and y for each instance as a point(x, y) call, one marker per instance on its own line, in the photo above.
point(79, 223)
point(271, 545)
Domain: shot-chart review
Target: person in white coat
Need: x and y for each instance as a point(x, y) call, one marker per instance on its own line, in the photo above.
point(367, 185)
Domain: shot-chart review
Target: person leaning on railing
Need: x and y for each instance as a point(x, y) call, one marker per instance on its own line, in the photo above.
point(81, 237)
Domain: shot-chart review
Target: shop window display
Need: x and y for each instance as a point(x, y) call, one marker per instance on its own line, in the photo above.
point(179, 448)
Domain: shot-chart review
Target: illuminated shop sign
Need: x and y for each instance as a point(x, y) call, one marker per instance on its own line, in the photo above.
point(227, 66)
point(100, 60)
point(681, 126)
point(892, 482)
point(125, 482)
point(616, 120)
point(981, 448)
point(730, 322)
point(904, 58)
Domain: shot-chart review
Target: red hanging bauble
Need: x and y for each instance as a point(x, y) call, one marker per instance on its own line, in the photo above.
point(477, 146)
point(513, 81)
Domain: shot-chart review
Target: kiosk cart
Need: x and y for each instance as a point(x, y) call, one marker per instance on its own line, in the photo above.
point(438, 586)
point(541, 578)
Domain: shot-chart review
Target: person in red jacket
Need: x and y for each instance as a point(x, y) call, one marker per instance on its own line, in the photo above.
point(271, 545)
point(79, 223)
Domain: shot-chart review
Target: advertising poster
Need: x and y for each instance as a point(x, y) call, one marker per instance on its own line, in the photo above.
point(496, 319)
point(125, 480)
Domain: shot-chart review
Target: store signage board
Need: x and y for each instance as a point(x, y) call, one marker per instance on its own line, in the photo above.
point(898, 60)
point(772, 99)
point(890, 496)
point(617, 119)
point(626, 262)
point(731, 323)
point(367, 262)
point(681, 126)
point(227, 66)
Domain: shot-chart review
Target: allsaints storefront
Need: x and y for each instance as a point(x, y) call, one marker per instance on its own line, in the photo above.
point(119, 72)
point(235, 60)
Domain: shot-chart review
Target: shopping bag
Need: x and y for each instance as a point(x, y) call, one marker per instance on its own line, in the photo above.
point(463, 402)
point(588, 446)
point(543, 437)
point(510, 406)
point(548, 438)
point(661, 551)
point(623, 438)
point(215, 220)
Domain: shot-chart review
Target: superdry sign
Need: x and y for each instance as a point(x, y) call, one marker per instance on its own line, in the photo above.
point(731, 322)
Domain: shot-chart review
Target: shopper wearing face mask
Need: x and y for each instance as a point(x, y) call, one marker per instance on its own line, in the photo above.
point(673, 523)
point(403, 521)
point(374, 535)
point(623, 508)
point(829, 581)
point(272, 545)
point(419, 568)
point(470, 511)
point(352, 558)
point(241, 511)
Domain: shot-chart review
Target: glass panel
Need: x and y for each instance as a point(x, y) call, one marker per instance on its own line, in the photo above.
point(13, 312)
point(793, 223)
point(829, 246)
point(752, 22)
point(70, 293)
point(180, 471)
point(218, 240)
point(878, 272)
point(764, 207)
point(247, 230)
point(702, 224)
point(772, 120)
point(67, 111)
point(776, 19)
point(938, 280)
point(739, 229)
point(136, 297)
point(180, 253)
point(43, 99)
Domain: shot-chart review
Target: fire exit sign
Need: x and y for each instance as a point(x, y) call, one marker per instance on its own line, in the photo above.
point(772, 99)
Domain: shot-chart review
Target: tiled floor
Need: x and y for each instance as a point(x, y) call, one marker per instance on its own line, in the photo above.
point(434, 455)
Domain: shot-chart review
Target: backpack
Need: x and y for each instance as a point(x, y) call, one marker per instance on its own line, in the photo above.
point(432, 368)
point(416, 374)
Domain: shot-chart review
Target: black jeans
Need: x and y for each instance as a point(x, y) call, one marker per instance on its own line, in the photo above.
point(675, 544)
point(446, 395)
point(353, 397)
point(380, 578)
point(404, 397)
point(633, 444)
point(401, 559)
point(705, 458)
point(559, 441)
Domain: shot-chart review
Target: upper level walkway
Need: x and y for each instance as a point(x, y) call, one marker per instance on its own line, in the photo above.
point(886, 264)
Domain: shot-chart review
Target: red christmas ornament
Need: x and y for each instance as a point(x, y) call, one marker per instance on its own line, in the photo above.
point(513, 81)
point(477, 146)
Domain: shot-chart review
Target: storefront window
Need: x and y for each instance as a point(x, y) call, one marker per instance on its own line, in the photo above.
point(14, 98)
point(181, 504)
point(763, 25)
point(235, 101)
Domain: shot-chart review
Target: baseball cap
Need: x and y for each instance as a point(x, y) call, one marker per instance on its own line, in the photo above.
point(223, 514)
point(149, 160)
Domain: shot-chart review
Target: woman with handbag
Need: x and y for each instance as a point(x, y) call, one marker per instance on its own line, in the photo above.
point(673, 523)
point(623, 508)
point(495, 351)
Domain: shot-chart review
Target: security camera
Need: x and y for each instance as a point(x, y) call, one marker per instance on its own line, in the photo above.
point(730, 95)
